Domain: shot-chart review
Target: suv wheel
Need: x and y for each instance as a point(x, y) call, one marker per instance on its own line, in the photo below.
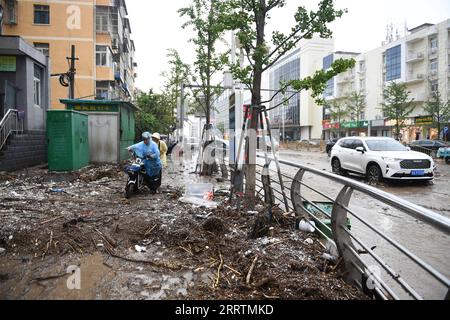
point(374, 174)
point(336, 166)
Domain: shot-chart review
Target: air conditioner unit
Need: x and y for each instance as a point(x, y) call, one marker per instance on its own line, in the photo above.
point(419, 76)
point(433, 50)
point(419, 55)
point(433, 72)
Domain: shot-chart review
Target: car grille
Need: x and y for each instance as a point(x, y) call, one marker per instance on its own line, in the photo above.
point(415, 164)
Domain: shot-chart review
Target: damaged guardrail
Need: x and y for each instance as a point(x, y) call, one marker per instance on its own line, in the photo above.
point(350, 247)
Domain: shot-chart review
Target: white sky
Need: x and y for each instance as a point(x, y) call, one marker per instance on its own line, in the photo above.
point(158, 27)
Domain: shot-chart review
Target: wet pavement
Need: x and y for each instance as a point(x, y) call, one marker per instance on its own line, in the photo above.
point(426, 242)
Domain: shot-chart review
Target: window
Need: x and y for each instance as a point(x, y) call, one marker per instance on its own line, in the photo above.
point(102, 56)
point(362, 66)
point(358, 144)
point(102, 19)
point(434, 86)
point(328, 61)
point(433, 43)
point(433, 64)
point(393, 63)
point(41, 14)
point(43, 47)
point(37, 85)
point(102, 90)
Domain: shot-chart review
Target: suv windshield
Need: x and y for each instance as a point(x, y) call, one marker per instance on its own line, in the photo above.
point(385, 145)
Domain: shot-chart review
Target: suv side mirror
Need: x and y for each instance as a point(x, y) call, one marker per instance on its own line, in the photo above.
point(361, 149)
point(408, 149)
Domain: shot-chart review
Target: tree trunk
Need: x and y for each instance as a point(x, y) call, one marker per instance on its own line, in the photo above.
point(250, 167)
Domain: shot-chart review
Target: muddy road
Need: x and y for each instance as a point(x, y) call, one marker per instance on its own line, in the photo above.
point(60, 232)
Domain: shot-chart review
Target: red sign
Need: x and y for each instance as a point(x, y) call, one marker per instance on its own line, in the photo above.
point(327, 125)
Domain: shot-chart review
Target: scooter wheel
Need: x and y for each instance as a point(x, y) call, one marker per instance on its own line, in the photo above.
point(129, 190)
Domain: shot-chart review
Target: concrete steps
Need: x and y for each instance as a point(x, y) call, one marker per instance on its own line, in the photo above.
point(25, 150)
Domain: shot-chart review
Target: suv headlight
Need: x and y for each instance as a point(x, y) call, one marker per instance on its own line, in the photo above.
point(388, 159)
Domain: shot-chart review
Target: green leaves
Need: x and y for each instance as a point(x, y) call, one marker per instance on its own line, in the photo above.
point(155, 114)
point(397, 105)
point(438, 109)
point(317, 83)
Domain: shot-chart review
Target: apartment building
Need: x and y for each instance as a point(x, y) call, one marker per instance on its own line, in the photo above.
point(420, 59)
point(101, 33)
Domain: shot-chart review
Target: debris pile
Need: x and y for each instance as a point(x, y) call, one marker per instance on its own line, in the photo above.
point(156, 246)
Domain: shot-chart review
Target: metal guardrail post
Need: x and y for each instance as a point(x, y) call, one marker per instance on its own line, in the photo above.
point(342, 239)
point(296, 197)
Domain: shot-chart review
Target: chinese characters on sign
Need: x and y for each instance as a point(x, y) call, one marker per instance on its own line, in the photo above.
point(87, 108)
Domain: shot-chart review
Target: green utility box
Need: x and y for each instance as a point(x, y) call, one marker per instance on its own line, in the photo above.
point(68, 140)
point(111, 128)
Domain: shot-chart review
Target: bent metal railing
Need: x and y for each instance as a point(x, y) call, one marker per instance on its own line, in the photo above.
point(347, 243)
point(11, 123)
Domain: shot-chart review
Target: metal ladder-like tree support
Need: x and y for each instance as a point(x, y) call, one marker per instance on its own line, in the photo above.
point(264, 123)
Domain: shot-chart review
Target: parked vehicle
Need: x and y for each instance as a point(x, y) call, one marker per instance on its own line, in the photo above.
point(136, 176)
point(430, 144)
point(444, 153)
point(330, 144)
point(380, 158)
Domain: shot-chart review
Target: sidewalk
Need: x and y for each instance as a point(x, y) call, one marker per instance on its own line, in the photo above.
point(151, 246)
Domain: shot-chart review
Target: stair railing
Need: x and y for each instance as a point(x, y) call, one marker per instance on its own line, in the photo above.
point(11, 123)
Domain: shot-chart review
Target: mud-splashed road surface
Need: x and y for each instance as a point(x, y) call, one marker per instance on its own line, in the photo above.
point(151, 246)
point(427, 243)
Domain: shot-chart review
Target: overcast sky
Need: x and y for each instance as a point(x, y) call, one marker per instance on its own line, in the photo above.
point(156, 26)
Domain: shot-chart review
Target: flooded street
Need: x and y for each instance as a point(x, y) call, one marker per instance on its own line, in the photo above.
point(424, 241)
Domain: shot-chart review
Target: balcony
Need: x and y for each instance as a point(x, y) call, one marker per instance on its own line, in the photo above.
point(419, 97)
point(414, 78)
point(344, 78)
point(414, 57)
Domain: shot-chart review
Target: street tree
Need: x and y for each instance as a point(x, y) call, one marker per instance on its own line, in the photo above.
point(155, 114)
point(338, 110)
point(203, 17)
point(249, 19)
point(178, 73)
point(356, 106)
point(397, 105)
point(438, 109)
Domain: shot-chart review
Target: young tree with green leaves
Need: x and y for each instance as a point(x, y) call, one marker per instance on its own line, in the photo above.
point(203, 18)
point(356, 106)
point(178, 73)
point(397, 105)
point(338, 111)
point(155, 114)
point(249, 18)
point(438, 109)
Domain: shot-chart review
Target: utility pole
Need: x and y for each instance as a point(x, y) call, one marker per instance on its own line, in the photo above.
point(71, 73)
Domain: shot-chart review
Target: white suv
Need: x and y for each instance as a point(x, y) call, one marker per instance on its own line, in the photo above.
point(379, 158)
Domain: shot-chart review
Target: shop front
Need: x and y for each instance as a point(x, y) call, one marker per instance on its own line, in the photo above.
point(355, 128)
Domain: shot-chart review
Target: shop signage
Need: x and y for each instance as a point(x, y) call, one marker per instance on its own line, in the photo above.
point(95, 108)
point(424, 120)
point(355, 124)
point(392, 123)
point(378, 123)
point(7, 64)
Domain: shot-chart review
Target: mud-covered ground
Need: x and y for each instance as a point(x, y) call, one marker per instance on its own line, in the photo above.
point(50, 222)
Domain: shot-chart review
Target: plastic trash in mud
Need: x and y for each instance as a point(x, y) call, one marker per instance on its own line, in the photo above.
point(200, 202)
point(2, 250)
point(307, 226)
point(200, 194)
point(200, 190)
point(57, 191)
point(140, 249)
